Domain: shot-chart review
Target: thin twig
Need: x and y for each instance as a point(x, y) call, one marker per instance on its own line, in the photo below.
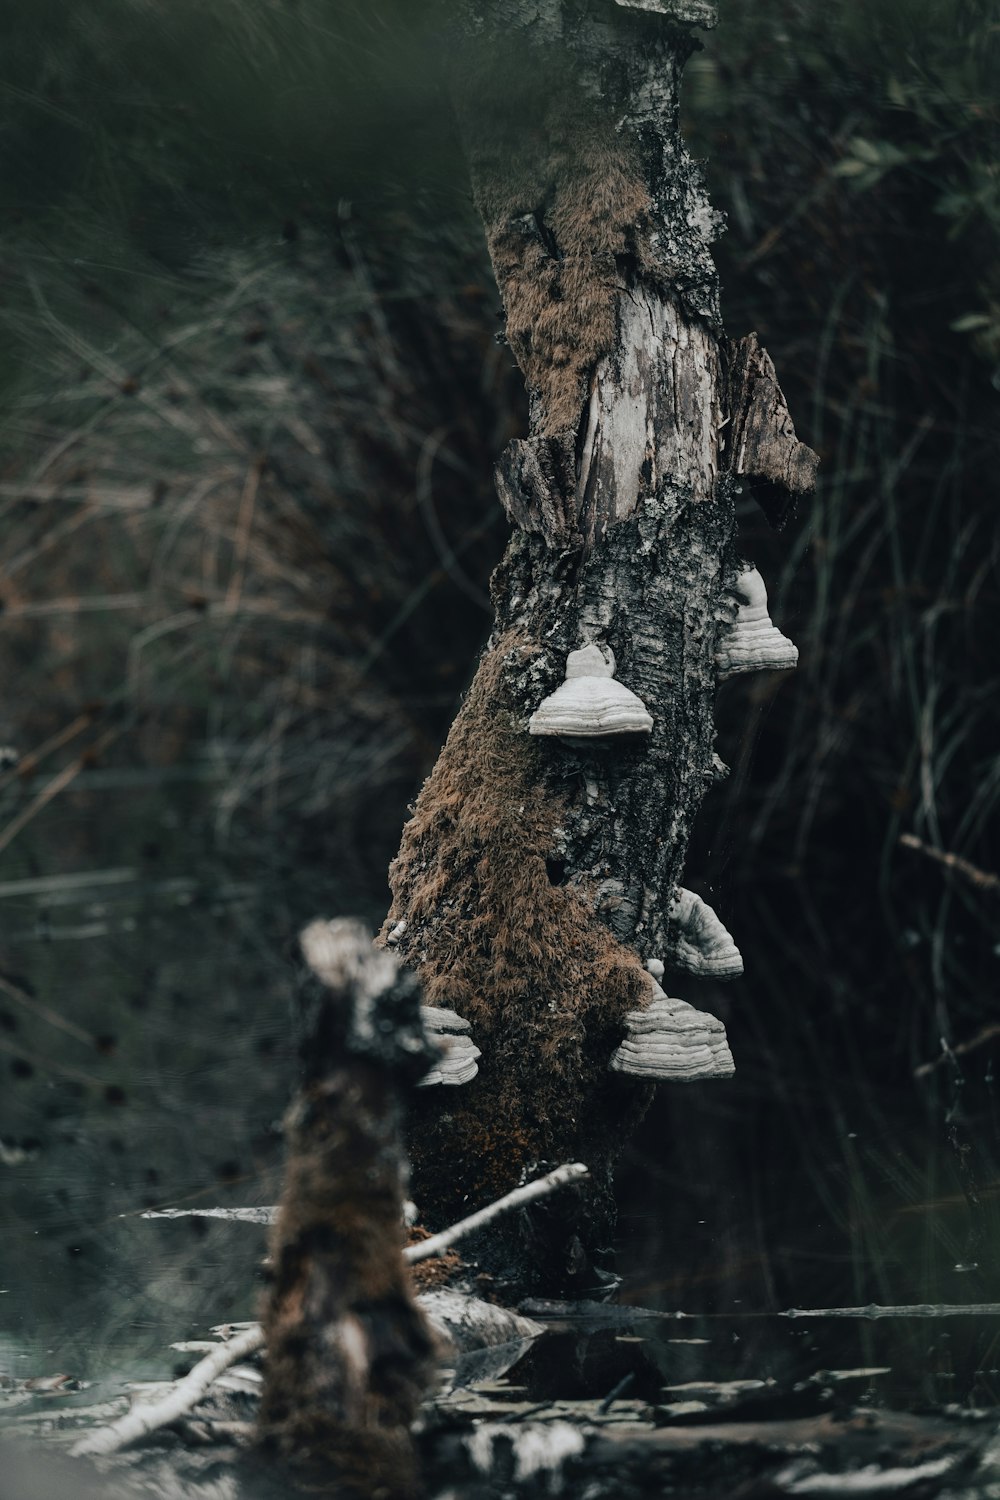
point(105, 496)
point(32, 758)
point(983, 879)
point(425, 497)
point(979, 1040)
point(52, 788)
point(20, 997)
point(874, 1310)
point(46, 1064)
point(244, 523)
point(76, 604)
point(180, 1399)
point(540, 1188)
point(265, 1215)
point(69, 889)
point(425, 1248)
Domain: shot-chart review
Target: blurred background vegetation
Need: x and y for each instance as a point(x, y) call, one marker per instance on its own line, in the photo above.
point(250, 396)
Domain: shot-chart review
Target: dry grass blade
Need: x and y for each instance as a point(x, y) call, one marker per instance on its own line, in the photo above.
point(45, 1012)
point(52, 789)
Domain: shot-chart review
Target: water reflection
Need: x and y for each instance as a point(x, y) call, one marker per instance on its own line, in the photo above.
point(756, 1368)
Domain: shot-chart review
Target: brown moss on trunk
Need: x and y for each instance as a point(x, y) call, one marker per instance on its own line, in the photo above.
point(565, 208)
point(543, 982)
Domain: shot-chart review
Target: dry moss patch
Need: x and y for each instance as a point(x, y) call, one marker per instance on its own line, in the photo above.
point(541, 979)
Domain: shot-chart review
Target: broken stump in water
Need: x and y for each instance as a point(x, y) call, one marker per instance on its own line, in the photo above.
point(350, 1354)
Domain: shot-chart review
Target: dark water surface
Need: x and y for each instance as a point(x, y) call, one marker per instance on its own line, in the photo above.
point(766, 1367)
point(145, 1062)
point(92, 1290)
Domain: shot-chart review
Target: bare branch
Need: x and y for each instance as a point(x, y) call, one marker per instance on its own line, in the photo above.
point(541, 1188)
point(983, 880)
point(179, 1400)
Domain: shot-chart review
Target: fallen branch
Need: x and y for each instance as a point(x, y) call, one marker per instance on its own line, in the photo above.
point(186, 1394)
point(179, 1400)
point(540, 1188)
point(58, 784)
point(436, 1245)
point(906, 1310)
point(264, 1215)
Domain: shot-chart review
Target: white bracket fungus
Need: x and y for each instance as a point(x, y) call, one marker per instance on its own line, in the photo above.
point(719, 772)
point(590, 704)
point(673, 1042)
point(450, 1032)
point(690, 12)
point(702, 946)
point(753, 643)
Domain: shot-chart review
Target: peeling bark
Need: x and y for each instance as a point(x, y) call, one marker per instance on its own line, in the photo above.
point(535, 880)
point(761, 444)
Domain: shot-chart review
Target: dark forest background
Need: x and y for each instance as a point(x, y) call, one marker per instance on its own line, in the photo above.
point(250, 394)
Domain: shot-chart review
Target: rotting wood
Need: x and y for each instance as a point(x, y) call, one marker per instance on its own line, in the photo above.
point(349, 1353)
point(761, 445)
point(534, 882)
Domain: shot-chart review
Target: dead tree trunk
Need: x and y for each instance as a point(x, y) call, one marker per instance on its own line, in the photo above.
point(537, 876)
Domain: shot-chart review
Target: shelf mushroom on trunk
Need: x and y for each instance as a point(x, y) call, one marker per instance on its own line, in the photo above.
point(672, 1042)
point(754, 643)
point(702, 945)
point(591, 704)
point(450, 1033)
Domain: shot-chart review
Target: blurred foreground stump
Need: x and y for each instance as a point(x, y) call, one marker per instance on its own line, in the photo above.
point(350, 1354)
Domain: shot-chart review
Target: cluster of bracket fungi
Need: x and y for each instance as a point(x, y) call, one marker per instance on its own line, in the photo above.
point(667, 1040)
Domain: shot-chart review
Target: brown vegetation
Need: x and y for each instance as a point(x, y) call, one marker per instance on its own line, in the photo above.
point(562, 201)
point(493, 938)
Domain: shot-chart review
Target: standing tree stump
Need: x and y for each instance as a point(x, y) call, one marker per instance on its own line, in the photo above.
point(536, 878)
point(350, 1355)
